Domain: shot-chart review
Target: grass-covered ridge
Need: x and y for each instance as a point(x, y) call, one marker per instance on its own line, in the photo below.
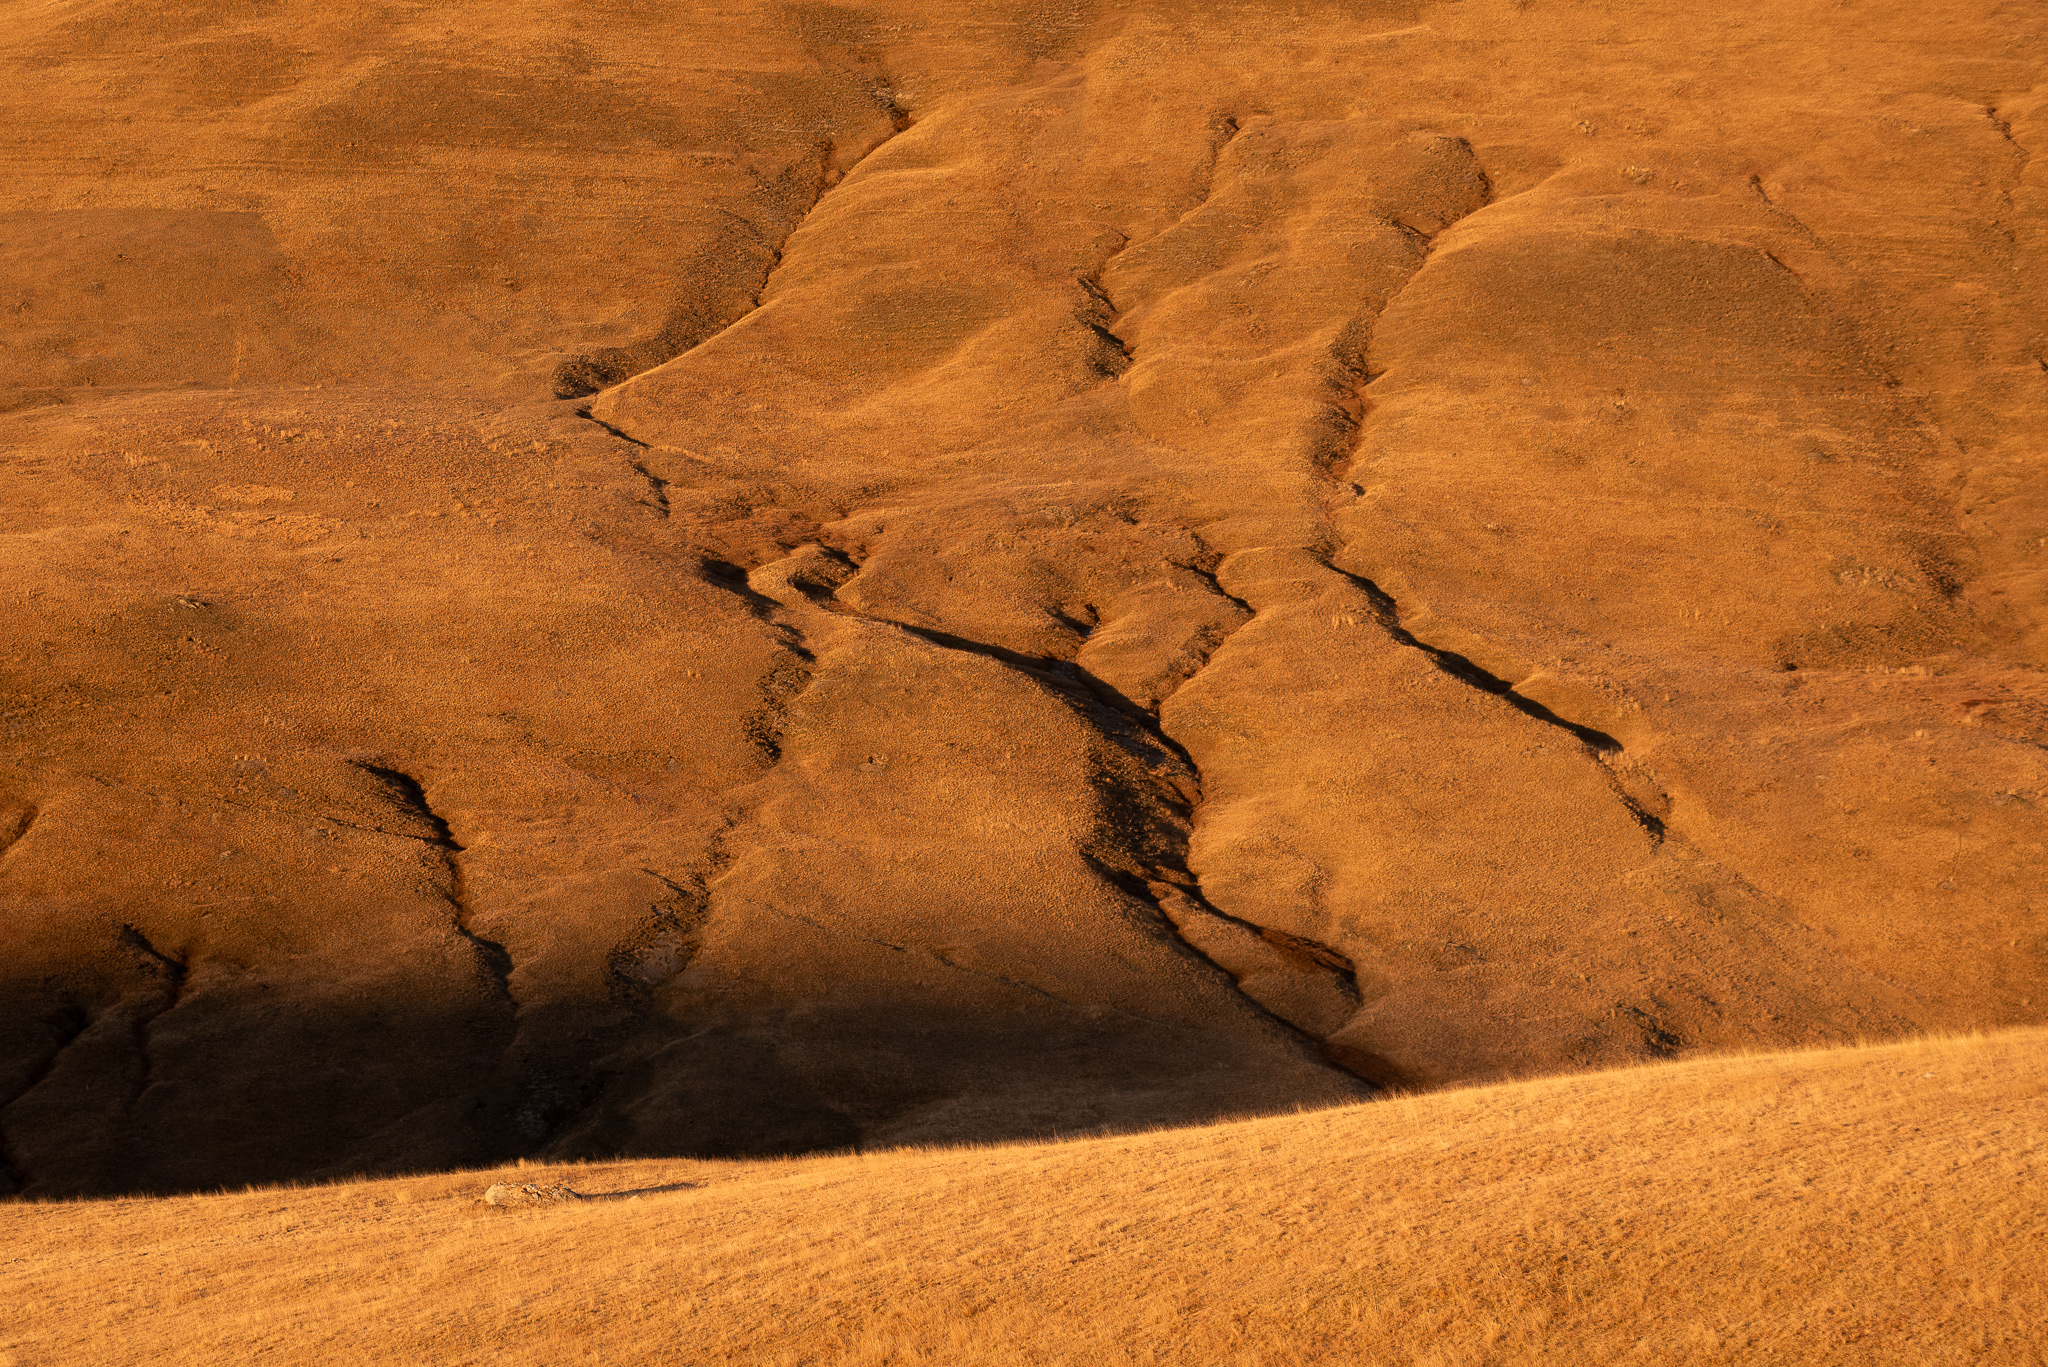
point(1866, 1205)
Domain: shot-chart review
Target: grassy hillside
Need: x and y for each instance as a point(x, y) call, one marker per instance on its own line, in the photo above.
point(1869, 1205)
point(759, 578)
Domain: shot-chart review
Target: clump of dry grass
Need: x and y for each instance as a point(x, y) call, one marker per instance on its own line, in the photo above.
point(1869, 1205)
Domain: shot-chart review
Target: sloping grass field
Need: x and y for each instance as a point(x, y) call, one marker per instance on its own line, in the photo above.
point(1870, 1205)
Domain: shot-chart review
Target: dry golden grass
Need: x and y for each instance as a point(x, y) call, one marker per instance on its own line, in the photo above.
point(1858, 1206)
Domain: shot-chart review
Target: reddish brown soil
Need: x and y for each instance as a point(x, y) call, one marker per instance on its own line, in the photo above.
point(632, 579)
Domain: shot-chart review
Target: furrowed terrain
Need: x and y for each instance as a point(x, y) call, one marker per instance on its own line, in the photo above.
point(632, 580)
point(1876, 1205)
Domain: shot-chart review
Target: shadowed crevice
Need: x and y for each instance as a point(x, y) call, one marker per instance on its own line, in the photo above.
point(494, 962)
point(171, 972)
point(694, 321)
point(1143, 841)
point(1465, 671)
point(588, 416)
point(14, 826)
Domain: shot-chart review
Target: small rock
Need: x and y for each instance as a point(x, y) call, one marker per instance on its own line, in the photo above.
point(527, 1194)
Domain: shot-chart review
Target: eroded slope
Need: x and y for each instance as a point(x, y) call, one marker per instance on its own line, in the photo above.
point(789, 578)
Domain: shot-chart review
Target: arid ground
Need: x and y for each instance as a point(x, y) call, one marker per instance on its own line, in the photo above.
point(1858, 1206)
point(673, 581)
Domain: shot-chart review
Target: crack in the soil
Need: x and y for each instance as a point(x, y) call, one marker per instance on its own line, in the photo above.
point(1797, 224)
point(656, 484)
point(1227, 130)
point(1388, 615)
point(1289, 946)
point(17, 826)
point(1334, 449)
point(1220, 636)
point(1100, 314)
point(784, 683)
point(588, 375)
point(2004, 127)
point(1385, 609)
point(668, 938)
point(2007, 197)
point(494, 962)
point(173, 971)
point(588, 416)
point(438, 842)
point(1136, 731)
point(1352, 353)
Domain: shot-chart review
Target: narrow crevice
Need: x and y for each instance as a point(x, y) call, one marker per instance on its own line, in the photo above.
point(787, 680)
point(493, 959)
point(656, 485)
point(494, 962)
point(587, 416)
point(1287, 943)
point(1162, 860)
point(1133, 727)
point(1204, 567)
point(434, 840)
point(1207, 574)
point(1653, 825)
point(1224, 132)
point(411, 795)
point(2008, 203)
point(1113, 368)
point(1091, 285)
point(668, 938)
point(557, 1089)
point(1150, 852)
point(781, 686)
point(1466, 672)
point(2004, 127)
point(723, 574)
point(1172, 876)
point(1066, 679)
point(692, 325)
point(1334, 449)
point(1487, 194)
point(1790, 219)
point(1658, 1041)
point(1353, 357)
point(1100, 314)
point(172, 971)
point(1311, 956)
point(14, 826)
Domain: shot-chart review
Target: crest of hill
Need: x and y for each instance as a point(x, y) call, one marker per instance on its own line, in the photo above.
point(1873, 1204)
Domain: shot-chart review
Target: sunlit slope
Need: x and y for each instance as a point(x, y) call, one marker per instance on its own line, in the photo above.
point(1862, 1205)
point(643, 578)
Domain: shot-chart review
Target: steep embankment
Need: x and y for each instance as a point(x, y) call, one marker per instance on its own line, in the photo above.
point(614, 579)
point(1870, 1205)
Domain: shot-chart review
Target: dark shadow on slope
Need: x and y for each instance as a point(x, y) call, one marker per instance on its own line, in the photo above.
point(252, 1086)
point(1465, 671)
